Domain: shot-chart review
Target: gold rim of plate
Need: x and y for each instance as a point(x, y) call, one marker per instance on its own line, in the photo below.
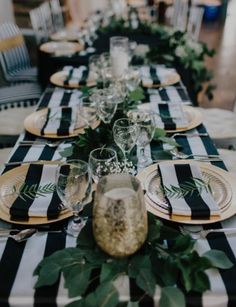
point(171, 79)
point(59, 77)
point(30, 126)
point(228, 180)
point(193, 114)
point(12, 175)
point(64, 48)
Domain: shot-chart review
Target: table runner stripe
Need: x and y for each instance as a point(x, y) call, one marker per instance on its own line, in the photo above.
point(54, 243)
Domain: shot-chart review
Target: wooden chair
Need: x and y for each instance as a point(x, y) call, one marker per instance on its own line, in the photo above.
point(14, 57)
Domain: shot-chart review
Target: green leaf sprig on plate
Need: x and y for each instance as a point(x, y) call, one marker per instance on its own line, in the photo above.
point(187, 188)
point(34, 190)
point(167, 260)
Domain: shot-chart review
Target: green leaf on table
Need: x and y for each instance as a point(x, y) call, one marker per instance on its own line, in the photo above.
point(172, 297)
point(218, 259)
point(159, 133)
point(137, 262)
point(153, 233)
point(78, 303)
point(200, 282)
point(169, 141)
point(182, 244)
point(67, 152)
point(113, 269)
point(86, 239)
point(48, 275)
point(161, 155)
point(77, 280)
point(146, 280)
point(106, 295)
point(137, 94)
point(133, 304)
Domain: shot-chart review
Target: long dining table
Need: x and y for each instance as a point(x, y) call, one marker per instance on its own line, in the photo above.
point(19, 260)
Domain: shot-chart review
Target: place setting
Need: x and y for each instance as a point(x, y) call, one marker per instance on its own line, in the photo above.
point(61, 48)
point(188, 191)
point(158, 76)
point(72, 77)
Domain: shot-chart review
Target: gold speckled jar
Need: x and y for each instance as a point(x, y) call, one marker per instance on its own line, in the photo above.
point(119, 215)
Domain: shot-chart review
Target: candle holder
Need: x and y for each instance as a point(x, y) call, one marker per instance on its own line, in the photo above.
point(119, 53)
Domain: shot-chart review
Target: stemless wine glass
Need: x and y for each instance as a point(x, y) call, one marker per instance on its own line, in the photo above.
point(125, 133)
point(132, 78)
point(102, 161)
point(73, 185)
point(88, 109)
point(146, 123)
point(119, 215)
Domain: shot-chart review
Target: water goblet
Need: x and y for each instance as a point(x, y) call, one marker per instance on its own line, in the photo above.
point(132, 78)
point(102, 161)
point(73, 185)
point(106, 106)
point(125, 133)
point(146, 123)
point(88, 109)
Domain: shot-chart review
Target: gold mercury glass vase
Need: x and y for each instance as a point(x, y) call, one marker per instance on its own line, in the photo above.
point(119, 215)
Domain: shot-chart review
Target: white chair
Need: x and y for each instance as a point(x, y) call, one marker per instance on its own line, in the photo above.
point(41, 21)
point(179, 15)
point(195, 22)
point(14, 57)
point(57, 16)
point(229, 158)
point(219, 123)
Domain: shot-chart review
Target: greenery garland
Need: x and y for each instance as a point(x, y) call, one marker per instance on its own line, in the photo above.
point(167, 260)
point(173, 47)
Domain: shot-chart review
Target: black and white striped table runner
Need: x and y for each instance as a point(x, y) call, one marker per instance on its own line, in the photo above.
point(18, 261)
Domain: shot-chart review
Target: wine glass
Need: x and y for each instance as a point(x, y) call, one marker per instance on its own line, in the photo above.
point(132, 78)
point(88, 109)
point(106, 105)
point(146, 123)
point(125, 133)
point(73, 185)
point(102, 161)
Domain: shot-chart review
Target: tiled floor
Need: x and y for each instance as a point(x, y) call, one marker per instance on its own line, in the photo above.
point(223, 39)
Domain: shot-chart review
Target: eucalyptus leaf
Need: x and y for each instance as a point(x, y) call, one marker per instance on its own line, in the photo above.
point(159, 133)
point(106, 295)
point(48, 275)
point(218, 259)
point(201, 282)
point(146, 280)
point(136, 263)
point(169, 141)
point(172, 297)
point(133, 304)
point(66, 152)
point(137, 94)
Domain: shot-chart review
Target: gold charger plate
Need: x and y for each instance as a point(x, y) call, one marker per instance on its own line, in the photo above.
point(171, 78)
point(223, 187)
point(193, 114)
point(61, 48)
point(59, 77)
point(35, 121)
point(65, 35)
point(16, 177)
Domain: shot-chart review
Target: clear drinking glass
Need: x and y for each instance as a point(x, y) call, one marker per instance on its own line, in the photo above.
point(132, 78)
point(119, 215)
point(106, 105)
point(95, 66)
point(102, 161)
point(146, 123)
point(119, 53)
point(73, 185)
point(125, 133)
point(88, 109)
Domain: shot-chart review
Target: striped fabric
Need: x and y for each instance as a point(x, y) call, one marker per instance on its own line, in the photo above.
point(155, 75)
point(20, 95)
point(168, 94)
point(15, 61)
point(76, 76)
point(199, 204)
point(16, 268)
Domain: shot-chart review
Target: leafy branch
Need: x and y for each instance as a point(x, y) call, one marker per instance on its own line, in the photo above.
point(33, 191)
point(187, 188)
point(167, 260)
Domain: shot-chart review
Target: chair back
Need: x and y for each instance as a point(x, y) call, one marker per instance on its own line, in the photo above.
point(57, 16)
point(41, 21)
point(180, 15)
point(194, 22)
point(13, 52)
